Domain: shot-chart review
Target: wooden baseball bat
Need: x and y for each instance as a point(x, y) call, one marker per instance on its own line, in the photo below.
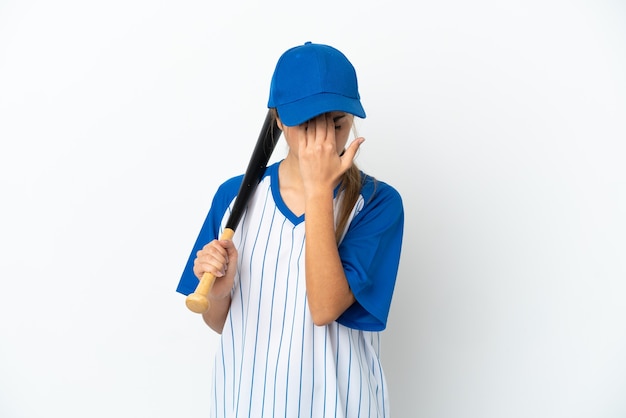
point(198, 301)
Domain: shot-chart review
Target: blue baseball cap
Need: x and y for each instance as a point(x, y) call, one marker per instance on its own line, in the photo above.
point(313, 79)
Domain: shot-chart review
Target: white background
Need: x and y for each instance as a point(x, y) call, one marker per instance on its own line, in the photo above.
point(503, 125)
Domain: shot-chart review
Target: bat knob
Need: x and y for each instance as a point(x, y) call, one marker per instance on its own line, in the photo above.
point(197, 303)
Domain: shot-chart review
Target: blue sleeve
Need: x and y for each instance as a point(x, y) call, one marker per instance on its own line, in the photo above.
point(370, 252)
point(220, 208)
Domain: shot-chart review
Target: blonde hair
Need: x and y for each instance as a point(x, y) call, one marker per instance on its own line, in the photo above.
point(349, 190)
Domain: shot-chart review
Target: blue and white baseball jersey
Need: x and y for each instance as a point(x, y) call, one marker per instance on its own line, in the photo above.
point(273, 361)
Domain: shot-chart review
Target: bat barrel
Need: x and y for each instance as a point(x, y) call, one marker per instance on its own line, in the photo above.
point(265, 144)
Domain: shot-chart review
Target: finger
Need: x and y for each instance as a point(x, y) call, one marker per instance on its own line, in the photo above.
point(213, 254)
point(303, 135)
point(330, 127)
point(311, 129)
point(209, 265)
point(219, 247)
point(200, 268)
point(321, 128)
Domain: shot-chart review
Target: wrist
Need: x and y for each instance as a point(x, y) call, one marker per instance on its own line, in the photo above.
point(319, 194)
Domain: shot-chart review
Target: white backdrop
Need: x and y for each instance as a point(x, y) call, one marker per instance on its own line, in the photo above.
point(503, 125)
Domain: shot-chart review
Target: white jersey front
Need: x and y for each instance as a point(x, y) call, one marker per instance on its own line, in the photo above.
point(273, 361)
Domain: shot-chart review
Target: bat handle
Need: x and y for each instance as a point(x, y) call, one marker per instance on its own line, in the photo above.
point(198, 301)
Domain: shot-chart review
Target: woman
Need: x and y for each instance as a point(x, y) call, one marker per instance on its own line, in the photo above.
point(304, 287)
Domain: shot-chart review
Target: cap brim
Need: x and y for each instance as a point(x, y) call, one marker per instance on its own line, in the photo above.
point(295, 113)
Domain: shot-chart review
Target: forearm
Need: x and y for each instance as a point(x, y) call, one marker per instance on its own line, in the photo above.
point(215, 316)
point(328, 292)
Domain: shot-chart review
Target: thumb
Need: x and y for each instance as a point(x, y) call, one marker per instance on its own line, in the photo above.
point(348, 156)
